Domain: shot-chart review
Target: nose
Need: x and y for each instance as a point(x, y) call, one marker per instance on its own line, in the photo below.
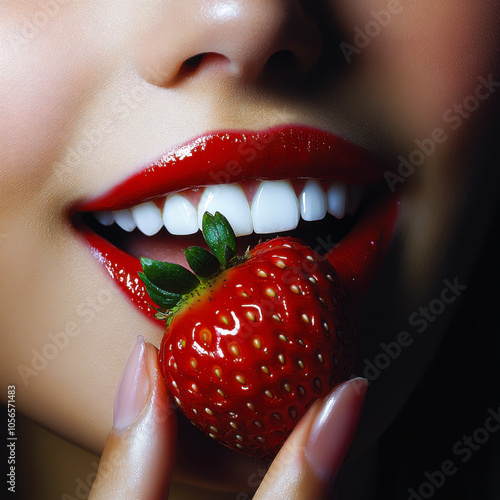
point(242, 39)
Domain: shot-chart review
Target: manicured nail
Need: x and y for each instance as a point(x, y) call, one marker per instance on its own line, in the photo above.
point(333, 429)
point(133, 387)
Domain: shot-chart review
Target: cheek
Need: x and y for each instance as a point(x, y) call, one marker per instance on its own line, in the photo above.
point(422, 58)
point(43, 85)
point(37, 107)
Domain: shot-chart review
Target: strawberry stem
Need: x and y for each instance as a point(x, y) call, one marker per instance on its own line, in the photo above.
point(203, 263)
point(220, 237)
point(168, 284)
point(171, 277)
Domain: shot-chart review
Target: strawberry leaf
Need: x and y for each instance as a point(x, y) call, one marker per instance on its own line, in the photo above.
point(164, 299)
point(220, 237)
point(169, 277)
point(203, 263)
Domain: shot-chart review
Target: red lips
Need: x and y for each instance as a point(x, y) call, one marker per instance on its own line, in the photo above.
point(230, 157)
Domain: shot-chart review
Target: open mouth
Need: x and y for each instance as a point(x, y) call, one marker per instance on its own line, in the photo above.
point(289, 181)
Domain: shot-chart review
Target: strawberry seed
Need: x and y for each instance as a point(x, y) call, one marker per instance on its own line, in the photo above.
point(251, 316)
point(257, 343)
point(234, 349)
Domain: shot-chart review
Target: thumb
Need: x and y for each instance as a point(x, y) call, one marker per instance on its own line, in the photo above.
point(138, 456)
point(307, 466)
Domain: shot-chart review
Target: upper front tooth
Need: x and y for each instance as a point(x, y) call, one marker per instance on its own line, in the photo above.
point(230, 201)
point(179, 216)
point(275, 208)
point(147, 216)
point(125, 220)
point(337, 199)
point(313, 203)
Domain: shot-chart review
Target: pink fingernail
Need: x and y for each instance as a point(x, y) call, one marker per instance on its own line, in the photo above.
point(133, 387)
point(333, 430)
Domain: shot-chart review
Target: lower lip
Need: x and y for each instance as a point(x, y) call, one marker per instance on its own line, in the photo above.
point(357, 258)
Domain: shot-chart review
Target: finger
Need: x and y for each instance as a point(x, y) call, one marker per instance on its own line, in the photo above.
point(138, 456)
point(308, 464)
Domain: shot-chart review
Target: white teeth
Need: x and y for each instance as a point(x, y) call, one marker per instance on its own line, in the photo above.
point(105, 218)
point(337, 199)
point(147, 217)
point(125, 220)
point(230, 201)
point(275, 208)
point(179, 216)
point(313, 202)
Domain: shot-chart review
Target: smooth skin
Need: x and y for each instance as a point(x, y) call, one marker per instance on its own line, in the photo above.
point(123, 71)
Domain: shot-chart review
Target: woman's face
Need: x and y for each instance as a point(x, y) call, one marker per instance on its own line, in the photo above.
point(91, 92)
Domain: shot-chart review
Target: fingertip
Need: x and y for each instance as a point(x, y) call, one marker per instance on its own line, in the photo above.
point(311, 457)
point(138, 459)
point(133, 387)
point(334, 428)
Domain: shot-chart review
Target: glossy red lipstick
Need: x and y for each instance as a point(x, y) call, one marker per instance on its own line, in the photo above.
point(230, 157)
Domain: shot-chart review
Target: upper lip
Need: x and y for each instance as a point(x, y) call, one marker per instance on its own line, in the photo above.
point(236, 156)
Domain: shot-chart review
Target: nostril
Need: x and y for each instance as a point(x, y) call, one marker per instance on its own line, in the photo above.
point(283, 62)
point(205, 60)
point(192, 63)
point(252, 41)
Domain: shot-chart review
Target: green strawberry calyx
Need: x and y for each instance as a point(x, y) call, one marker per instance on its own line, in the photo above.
point(171, 285)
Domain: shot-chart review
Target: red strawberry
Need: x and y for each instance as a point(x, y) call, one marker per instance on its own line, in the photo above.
point(251, 341)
